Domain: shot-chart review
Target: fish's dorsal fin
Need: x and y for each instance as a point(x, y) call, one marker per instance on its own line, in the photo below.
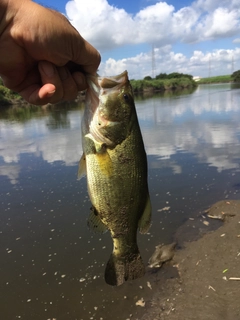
point(82, 171)
point(95, 223)
point(144, 222)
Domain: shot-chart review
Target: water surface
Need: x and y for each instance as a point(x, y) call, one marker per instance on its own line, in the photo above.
point(51, 265)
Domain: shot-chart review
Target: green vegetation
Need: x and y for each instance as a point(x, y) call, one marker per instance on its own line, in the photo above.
point(174, 75)
point(8, 96)
point(236, 76)
point(216, 79)
point(160, 83)
point(163, 82)
point(57, 114)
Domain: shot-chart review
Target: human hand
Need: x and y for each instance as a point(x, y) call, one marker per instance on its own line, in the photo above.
point(42, 57)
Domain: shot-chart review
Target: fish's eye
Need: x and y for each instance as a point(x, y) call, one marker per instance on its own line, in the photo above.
point(125, 96)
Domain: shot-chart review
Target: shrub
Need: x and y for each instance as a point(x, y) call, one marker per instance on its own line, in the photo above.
point(236, 76)
point(147, 78)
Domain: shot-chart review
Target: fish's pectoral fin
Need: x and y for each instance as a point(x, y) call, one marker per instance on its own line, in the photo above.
point(105, 163)
point(145, 220)
point(99, 146)
point(82, 171)
point(102, 156)
point(95, 223)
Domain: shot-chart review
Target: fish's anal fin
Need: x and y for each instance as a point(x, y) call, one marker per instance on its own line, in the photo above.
point(95, 223)
point(144, 222)
point(99, 146)
point(82, 167)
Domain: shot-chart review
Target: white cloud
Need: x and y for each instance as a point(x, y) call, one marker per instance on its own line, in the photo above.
point(134, 65)
point(152, 23)
point(218, 62)
point(210, 5)
point(222, 22)
point(107, 27)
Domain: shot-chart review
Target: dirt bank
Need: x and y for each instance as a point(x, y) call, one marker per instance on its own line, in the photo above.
point(205, 281)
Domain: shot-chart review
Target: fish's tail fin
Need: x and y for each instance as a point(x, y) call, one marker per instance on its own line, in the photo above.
point(121, 269)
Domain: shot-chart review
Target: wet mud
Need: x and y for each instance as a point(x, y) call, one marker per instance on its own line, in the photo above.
point(203, 279)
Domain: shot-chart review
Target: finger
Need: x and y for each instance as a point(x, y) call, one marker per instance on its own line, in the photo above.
point(70, 87)
point(37, 95)
point(86, 56)
point(31, 88)
point(80, 80)
point(50, 78)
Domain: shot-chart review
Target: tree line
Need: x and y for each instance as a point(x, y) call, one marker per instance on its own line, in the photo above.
point(173, 75)
point(236, 76)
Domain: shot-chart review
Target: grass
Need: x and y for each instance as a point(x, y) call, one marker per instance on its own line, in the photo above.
point(216, 79)
point(162, 84)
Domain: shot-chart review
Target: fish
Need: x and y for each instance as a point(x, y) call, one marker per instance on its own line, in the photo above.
point(115, 163)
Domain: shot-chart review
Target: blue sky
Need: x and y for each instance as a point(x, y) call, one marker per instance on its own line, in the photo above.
point(130, 6)
point(183, 36)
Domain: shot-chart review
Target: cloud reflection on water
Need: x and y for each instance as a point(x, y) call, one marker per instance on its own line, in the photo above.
point(205, 123)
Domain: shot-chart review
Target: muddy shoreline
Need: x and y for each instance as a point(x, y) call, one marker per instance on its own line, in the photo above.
point(203, 279)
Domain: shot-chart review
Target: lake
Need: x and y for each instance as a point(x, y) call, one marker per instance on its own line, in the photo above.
point(52, 266)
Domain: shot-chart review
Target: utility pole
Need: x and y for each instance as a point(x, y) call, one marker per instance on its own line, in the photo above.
point(209, 67)
point(232, 63)
point(153, 62)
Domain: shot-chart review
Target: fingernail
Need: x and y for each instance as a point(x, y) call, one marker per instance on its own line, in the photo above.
point(51, 93)
point(48, 68)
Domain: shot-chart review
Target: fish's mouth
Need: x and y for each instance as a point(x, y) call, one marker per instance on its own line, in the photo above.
point(112, 83)
point(104, 85)
point(97, 83)
point(100, 88)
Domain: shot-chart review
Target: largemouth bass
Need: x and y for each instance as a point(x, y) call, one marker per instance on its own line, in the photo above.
point(115, 163)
